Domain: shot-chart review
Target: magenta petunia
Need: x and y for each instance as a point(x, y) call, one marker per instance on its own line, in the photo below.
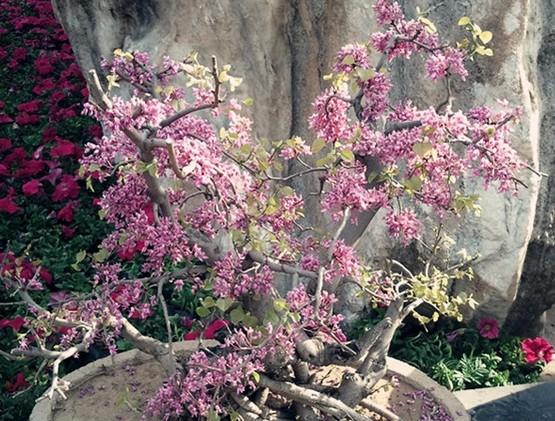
point(66, 189)
point(488, 328)
point(8, 205)
point(16, 323)
point(30, 188)
point(536, 350)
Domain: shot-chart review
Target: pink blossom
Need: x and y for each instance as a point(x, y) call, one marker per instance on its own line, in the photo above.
point(404, 225)
point(357, 53)
point(330, 120)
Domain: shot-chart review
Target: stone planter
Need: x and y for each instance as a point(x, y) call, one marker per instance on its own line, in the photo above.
point(116, 388)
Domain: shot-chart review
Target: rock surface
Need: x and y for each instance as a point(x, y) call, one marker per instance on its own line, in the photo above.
point(284, 47)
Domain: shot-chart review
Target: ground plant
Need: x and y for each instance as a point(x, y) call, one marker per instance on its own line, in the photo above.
point(198, 204)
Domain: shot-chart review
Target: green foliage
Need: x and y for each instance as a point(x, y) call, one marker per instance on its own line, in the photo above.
point(456, 356)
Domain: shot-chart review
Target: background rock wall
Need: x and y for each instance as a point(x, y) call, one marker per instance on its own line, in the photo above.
point(284, 47)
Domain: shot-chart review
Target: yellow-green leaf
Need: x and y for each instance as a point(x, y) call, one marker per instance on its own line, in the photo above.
point(365, 74)
point(465, 20)
point(237, 315)
point(202, 311)
point(349, 60)
point(280, 304)
point(430, 27)
point(318, 145)
point(224, 303)
point(422, 149)
point(347, 155)
point(80, 256)
point(486, 37)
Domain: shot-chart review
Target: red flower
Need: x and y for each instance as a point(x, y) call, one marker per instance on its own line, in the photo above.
point(126, 253)
point(31, 188)
point(68, 232)
point(66, 189)
point(95, 131)
point(17, 383)
point(4, 170)
point(488, 327)
point(3, 54)
point(24, 119)
point(209, 332)
point(45, 275)
point(5, 144)
point(30, 107)
point(191, 336)
point(20, 54)
point(43, 66)
point(214, 327)
point(8, 205)
point(537, 349)
point(30, 167)
point(15, 324)
point(66, 213)
point(45, 85)
point(49, 134)
point(63, 148)
point(5, 119)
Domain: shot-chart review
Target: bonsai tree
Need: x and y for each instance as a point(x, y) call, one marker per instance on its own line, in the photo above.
point(203, 202)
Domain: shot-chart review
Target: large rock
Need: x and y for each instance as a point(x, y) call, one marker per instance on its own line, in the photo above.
point(283, 47)
point(536, 293)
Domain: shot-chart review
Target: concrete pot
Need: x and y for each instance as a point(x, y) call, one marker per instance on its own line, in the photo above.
point(116, 388)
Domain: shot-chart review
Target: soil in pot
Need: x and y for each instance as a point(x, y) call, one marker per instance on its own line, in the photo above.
point(119, 390)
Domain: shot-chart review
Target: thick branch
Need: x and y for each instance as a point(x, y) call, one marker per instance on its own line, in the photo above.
point(150, 346)
point(313, 398)
point(277, 266)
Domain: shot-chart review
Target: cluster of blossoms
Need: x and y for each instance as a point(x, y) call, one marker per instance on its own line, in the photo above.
point(243, 355)
point(231, 281)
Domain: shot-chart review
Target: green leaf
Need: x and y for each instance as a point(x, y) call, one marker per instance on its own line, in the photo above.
point(224, 303)
point(318, 145)
point(80, 256)
point(365, 74)
point(422, 149)
point(430, 27)
point(413, 183)
point(250, 321)
point(208, 302)
point(212, 416)
point(202, 311)
point(89, 184)
point(486, 37)
point(465, 20)
point(483, 51)
point(234, 82)
point(234, 416)
point(256, 376)
point(280, 304)
point(237, 315)
point(101, 255)
point(349, 60)
point(248, 101)
point(347, 155)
